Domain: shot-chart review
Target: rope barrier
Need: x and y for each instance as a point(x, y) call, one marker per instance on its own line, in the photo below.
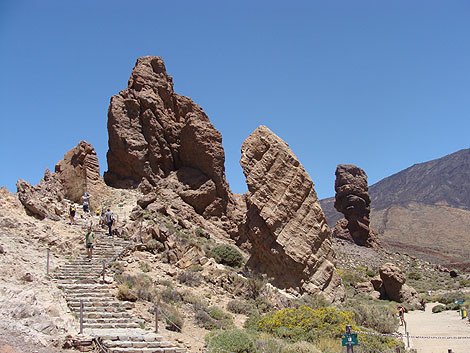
point(413, 336)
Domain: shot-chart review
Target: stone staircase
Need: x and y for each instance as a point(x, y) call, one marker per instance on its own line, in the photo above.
point(104, 318)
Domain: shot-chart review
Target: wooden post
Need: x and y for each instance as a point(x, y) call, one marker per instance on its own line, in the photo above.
point(449, 351)
point(407, 339)
point(140, 230)
point(349, 349)
point(156, 318)
point(81, 316)
point(397, 349)
point(47, 267)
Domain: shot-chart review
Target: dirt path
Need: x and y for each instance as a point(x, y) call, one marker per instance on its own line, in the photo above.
point(447, 323)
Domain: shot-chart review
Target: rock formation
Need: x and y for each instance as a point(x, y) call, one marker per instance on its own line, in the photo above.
point(154, 132)
point(390, 285)
point(352, 200)
point(284, 224)
point(78, 172)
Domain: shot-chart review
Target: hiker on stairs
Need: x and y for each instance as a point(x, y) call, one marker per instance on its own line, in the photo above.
point(89, 243)
point(109, 217)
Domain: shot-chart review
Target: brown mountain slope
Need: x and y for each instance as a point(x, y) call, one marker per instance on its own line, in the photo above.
point(424, 209)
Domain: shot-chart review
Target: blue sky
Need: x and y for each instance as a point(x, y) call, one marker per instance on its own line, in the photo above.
point(381, 85)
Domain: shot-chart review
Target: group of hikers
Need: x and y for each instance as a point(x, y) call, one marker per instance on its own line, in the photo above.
point(107, 217)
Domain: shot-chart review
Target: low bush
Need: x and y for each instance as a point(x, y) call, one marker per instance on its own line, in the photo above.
point(227, 255)
point(240, 307)
point(174, 320)
point(125, 294)
point(451, 297)
point(352, 277)
point(452, 306)
point(314, 301)
point(212, 318)
point(140, 286)
point(376, 317)
point(235, 340)
point(170, 295)
point(297, 323)
point(189, 278)
point(153, 245)
point(414, 276)
point(144, 267)
point(438, 308)
point(300, 347)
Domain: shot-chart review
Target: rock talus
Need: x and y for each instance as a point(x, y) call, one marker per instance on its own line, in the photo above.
point(353, 201)
point(154, 132)
point(284, 223)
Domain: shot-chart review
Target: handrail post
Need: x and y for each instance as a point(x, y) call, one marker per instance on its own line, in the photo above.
point(47, 267)
point(349, 349)
point(81, 316)
point(156, 318)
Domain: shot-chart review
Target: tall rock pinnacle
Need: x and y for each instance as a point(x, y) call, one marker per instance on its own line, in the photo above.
point(153, 131)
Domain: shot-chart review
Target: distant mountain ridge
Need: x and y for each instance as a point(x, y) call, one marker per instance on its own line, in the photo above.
point(424, 209)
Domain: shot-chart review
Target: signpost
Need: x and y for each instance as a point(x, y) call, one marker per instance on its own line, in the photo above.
point(349, 340)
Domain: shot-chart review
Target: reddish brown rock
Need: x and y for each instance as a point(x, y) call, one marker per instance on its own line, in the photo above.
point(76, 173)
point(79, 171)
point(394, 286)
point(352, 200)
point(284, 224)
point(154, 132)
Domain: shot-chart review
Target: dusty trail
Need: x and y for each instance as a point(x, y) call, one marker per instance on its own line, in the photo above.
point(447, 323)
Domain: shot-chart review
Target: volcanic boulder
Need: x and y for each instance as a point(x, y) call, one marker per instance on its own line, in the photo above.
point(154, 132)
point(393, 280)
point(352, 200)
point(284, 223)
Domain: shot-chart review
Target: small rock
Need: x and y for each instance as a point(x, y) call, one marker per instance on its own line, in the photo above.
point(28, 277)
point(2, 250)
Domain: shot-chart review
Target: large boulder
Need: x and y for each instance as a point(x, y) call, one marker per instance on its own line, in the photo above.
point(284, 225)
point(353, 201)
point(154, 132)
point(393, 281)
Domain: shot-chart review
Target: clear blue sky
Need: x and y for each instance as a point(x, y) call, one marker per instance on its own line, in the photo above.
point(378, 84)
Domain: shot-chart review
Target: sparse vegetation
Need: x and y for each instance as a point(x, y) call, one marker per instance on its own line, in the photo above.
point(189, 278)
point(235, 340)
point(226, 255)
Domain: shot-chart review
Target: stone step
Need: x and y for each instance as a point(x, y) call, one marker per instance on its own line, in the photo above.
point(91, 286)
point(94, 303)
point(99, 314)
point(136, 344)
point(148, 350)
point(109, 309)
point(114, 325)
point(113, 320)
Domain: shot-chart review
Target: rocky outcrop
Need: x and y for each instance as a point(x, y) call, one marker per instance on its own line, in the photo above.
point(44, 199)
point(154, 132)
point(79, 171)
point(284, 224)
point(353, 201)
point(389, 284)
point(76, 173)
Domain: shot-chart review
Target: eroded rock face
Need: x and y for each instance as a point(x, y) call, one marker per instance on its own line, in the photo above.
point(284, 223)
point(352, 200)
point(79, 171)
point(76, 173)
point(153, 132)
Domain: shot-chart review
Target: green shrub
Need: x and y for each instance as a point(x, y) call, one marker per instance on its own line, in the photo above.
point(374, 344)
point(300, 347)
point(240, 307)
point(227, 255)
point(189, 278)
point(378, 318)
point(212, 318)
point(174, 320)
point(438, 308)
point(235, 340)
point(452, 306)
point(144, 267)
point(125, 294)
point(297, 322)
point(140, 286)
point(414, 276)
point(371, 273)
point(352, 277)
point(269, 344)
point(170, 295)
point(448, 298)
point(314, 301)
point(153, 245)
